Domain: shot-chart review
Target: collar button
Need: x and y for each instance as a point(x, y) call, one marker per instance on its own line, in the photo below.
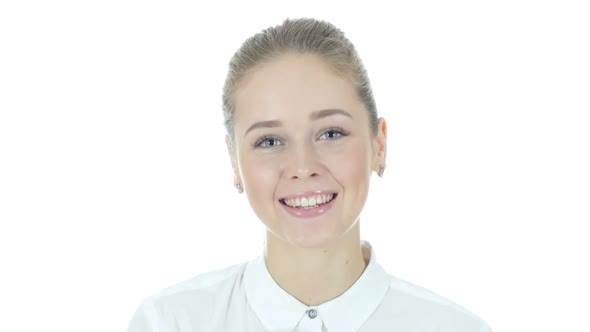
point(312, 313)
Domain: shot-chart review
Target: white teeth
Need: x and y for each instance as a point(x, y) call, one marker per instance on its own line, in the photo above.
point(304, 202)
point(308, 202)
point(312, 201)
point(319, 200)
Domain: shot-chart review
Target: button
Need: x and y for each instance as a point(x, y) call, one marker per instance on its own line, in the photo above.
point(312, 313)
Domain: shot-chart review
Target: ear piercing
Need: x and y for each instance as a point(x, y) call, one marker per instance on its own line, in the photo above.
point(381, 170)
point(239, 187)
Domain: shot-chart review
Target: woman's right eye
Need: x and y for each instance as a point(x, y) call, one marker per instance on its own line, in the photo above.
point(267, 142)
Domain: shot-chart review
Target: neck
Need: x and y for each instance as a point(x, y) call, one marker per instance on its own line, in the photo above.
point(315, 275)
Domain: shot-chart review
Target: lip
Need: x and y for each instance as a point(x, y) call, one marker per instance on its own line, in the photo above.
point(312, 212)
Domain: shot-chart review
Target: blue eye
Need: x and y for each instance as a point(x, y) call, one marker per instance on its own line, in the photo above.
point(267, 142)
point(333, 133)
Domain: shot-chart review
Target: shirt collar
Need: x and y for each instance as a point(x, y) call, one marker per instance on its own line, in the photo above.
point(279, 310)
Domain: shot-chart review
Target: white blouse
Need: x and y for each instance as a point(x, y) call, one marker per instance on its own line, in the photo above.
point(245, 297)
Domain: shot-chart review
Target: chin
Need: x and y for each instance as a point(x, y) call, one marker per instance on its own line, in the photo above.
point(309, 237)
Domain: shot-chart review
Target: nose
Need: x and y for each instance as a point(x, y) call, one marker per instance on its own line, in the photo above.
point(302, 162)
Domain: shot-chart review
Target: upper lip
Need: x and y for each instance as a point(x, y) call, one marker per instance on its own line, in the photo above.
point(309, 193)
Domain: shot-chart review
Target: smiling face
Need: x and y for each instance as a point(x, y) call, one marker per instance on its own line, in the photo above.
point(303, 149)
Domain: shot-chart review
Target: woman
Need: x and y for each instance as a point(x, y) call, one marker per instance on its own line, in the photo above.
point(304, 138)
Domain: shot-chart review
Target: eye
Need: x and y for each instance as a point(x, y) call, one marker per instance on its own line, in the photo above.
point(333, 133)
point(267, 142)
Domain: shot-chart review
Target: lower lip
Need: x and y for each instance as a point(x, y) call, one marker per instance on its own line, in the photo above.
point(309, 213)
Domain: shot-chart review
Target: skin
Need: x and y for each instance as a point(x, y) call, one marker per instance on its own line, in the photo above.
point(315, 260)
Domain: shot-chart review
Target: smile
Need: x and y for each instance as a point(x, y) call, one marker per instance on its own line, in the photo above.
point(309, 205)
point(308, 202)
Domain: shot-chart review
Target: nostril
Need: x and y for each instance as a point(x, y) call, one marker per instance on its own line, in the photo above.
point(295, 177)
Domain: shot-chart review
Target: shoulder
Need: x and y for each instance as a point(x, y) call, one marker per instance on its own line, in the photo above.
point(202, 287)
point(204, 281)
point(202, 294)
point(430, 310)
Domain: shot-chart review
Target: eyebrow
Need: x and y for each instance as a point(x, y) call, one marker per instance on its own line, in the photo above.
point(313, 116)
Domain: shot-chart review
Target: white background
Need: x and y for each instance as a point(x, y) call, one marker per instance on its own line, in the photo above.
point(114, 178)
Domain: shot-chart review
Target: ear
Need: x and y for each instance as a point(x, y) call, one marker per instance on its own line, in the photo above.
point(233, 157)
point(380, 145)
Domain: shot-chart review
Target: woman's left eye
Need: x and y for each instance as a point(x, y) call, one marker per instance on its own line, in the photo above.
point(331, 134)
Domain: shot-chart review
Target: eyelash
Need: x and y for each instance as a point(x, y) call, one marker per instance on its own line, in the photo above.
point(263, 139)
point(339, 131)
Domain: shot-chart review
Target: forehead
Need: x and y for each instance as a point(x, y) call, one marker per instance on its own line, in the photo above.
point(292, 85)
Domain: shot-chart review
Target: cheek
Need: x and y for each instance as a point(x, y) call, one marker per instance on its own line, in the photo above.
point(259, 176)
point(352, 164)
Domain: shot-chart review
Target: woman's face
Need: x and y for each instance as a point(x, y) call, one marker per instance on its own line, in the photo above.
point(304, 151)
